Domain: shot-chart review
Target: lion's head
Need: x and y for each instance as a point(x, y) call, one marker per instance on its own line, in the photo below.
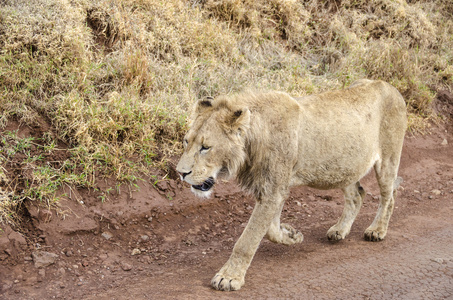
point(214, 145)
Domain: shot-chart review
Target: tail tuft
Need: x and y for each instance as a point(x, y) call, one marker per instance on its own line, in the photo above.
point(397, 183)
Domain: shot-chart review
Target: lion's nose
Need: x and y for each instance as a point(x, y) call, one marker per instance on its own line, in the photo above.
point(183, 175)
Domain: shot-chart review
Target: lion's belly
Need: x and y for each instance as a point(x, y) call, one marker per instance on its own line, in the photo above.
point(334, 171)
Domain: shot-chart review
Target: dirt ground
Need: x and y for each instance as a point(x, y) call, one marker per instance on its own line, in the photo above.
point(163, 243)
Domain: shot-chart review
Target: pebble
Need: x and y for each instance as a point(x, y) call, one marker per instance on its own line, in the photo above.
point(144, 238)
point(436, 192)
point(437, 260)
point(135, 251)
point(444, 142)
point(107, 235)
point(126, 267)
point(43, 258)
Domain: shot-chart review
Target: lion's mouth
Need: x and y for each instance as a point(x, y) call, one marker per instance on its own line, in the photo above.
point(205, 186)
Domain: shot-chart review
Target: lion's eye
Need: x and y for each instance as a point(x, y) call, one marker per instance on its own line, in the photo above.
point(204, 148)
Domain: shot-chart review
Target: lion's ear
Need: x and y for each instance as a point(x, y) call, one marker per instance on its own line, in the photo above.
point(204, 104)
point(240, 119)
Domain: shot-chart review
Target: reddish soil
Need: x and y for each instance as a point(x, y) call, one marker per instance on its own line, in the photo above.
point(163, 243)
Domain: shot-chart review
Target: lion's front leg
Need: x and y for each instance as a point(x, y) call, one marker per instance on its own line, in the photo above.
point(231, 275)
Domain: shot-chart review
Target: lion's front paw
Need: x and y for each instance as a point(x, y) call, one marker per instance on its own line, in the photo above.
point(225, 283)
point(335, 234)
point(374, 235)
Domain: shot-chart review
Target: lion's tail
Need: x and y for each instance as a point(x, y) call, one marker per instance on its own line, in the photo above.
point(397, 183)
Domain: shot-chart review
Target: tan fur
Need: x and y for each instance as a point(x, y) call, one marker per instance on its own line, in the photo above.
point(272, 141)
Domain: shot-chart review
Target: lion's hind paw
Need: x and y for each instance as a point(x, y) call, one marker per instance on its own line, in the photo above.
point(293, 235)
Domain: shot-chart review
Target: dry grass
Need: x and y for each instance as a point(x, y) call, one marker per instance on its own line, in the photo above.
point(115, 79)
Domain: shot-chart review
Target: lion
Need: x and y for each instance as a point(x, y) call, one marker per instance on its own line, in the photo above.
point(271, 141)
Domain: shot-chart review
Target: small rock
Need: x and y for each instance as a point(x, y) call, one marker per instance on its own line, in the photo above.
point(17, 238)
point(298, 203)
point(437, 260)
point(444, 142)
point(84, 224)
point(135, 251)
point(150, 219)
point(126, 267)
point(436, 192)
point(43, 258)
point(162, 185)
point(416, 191)
point(69, 253)
point(107, 235)
point(144, 238)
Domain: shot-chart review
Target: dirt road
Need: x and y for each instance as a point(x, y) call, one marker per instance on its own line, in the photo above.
point(166, 244)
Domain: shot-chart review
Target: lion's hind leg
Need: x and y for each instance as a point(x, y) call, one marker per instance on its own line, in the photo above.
point(388, 184)
point(282, 233)
point(353, 195)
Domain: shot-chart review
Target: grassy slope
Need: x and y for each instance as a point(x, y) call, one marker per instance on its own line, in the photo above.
point(115, 80)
